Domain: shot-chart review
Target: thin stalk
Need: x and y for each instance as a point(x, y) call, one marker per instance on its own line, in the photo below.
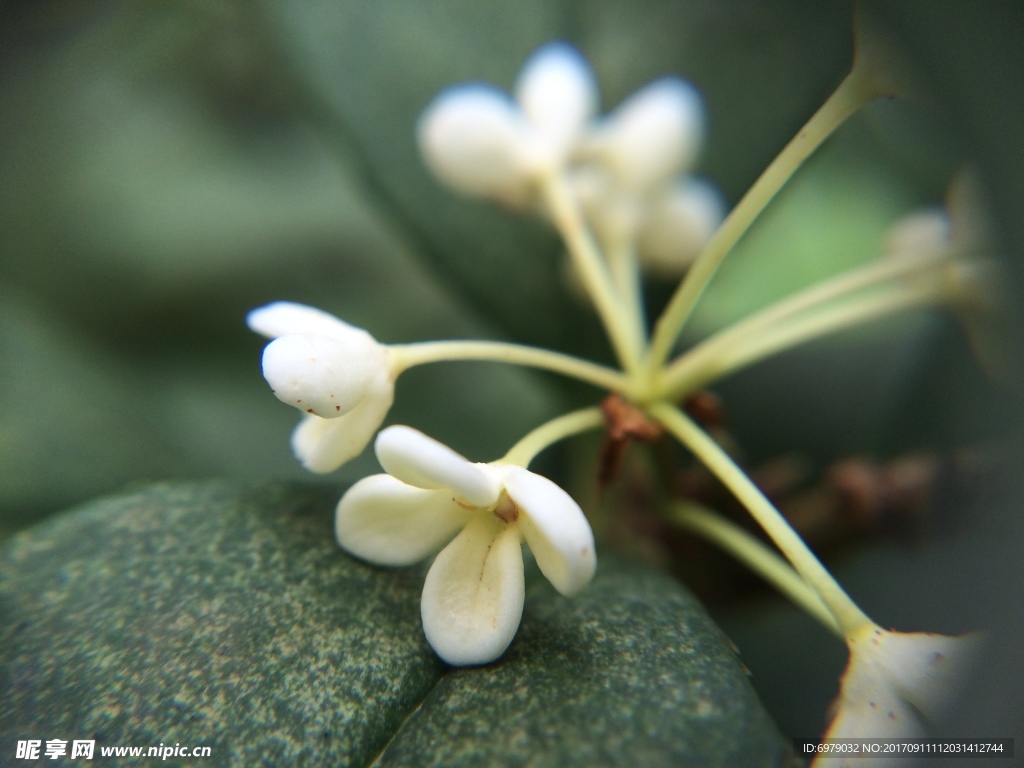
point(845, 101)
point(705, 364)
point(549, 433)
point(405, 356)
point(622, 327)
point(625, 271)
point(848, 615)
point(756, 556)
point(875, 273)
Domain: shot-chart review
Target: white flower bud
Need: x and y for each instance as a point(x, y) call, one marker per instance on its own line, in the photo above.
point(337, 374)
point(678, 225)
point(558, 94)
point(324, 375)
point(473, 137)
point(654, 134)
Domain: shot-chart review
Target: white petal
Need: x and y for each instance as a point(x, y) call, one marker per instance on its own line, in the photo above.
point(387, 522)
point(472, 137)
point(894, 679)
point(473, 595)
point(323, 375)
point(678, 225)
point(555, 529)
point(928, 668)
point(285, 317)
point(558, 94)
point(421, 461)
point(323, 445)
point(654, 134)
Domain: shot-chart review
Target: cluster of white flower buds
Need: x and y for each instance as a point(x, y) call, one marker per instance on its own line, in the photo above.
point(629, 169)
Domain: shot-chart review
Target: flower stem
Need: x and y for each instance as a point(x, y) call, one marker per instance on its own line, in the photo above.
point(849, 97)
point(848, 615)
point(549, 433)
point(623, 328)
point(781, 327)
point(406, 356)
point(625, 271)
point(755, 555)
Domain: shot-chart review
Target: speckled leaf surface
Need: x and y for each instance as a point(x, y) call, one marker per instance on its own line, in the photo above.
point(225, 616)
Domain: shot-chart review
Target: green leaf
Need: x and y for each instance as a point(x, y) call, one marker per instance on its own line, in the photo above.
point(225, 616)
point(76, 421)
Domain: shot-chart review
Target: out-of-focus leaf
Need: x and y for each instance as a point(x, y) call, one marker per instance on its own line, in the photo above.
point(225, 616)
point(73, 420)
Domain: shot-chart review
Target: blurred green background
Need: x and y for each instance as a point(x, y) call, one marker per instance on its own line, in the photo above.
point(166, 167)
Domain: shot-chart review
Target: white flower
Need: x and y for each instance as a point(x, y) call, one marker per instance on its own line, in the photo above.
point(634, 180)
point(473, 595)
point(335, 373)
point(480, 141)
point(652, 136)
point(896, 685)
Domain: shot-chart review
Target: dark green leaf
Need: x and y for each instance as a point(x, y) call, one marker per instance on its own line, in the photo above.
point(209, 614)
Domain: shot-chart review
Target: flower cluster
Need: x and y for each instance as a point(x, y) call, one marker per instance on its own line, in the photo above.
point(619, 191)
point(629, 169)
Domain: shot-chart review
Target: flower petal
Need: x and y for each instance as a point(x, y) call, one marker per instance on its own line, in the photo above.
point(654, 134)
point(324, 375)
point(679, 225)
point(898, 684)
point(387, 522)
point(472, 137)
point(473, 595)
point(418, 460)
point(285, 317)
point(323, 445)
point(928, 668)
point(558, 93)
point(555, 529)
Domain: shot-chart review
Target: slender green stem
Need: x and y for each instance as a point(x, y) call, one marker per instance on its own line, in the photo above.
point(849, 616)
point(709, 362)
point(549, 433)
point(406, 356)
point(842, 285)
point(622, 327)
point(756, 556)
point(625, 271)
point(849, 97)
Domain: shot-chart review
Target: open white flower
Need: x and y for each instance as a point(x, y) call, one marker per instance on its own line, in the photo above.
point(480, 141)
point(897, 685)
point(338, 375)
point(473, 595)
